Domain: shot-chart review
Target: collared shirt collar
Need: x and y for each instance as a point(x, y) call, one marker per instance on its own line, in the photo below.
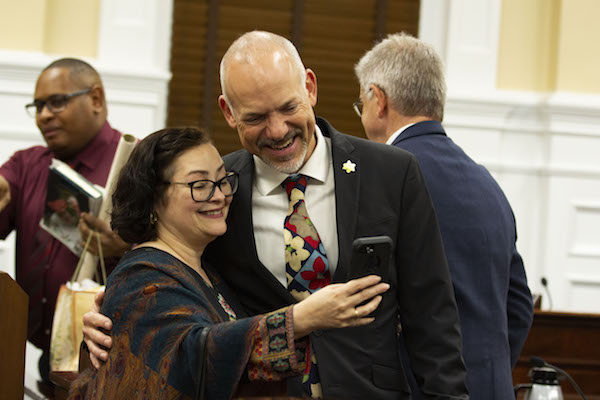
point(398, 133)
point(89, 155)
point(268, 179)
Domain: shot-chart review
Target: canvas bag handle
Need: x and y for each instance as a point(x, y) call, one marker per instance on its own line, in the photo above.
point(100, 256)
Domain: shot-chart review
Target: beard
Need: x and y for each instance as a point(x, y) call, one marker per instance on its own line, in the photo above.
point(295, 162)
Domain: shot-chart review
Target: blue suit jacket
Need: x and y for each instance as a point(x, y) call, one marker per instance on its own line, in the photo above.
point(478, 232)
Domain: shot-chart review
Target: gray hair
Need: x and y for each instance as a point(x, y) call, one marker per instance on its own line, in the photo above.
point(252, 47)
point(410, 73)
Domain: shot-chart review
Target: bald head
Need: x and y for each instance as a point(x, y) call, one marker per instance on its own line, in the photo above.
point(82, 74)
point(268, 97)
point(253, 49)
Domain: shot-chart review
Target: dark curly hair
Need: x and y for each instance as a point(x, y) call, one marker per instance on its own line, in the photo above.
point(141, 181)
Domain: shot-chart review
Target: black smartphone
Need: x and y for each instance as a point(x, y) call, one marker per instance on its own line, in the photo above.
point(371, 256)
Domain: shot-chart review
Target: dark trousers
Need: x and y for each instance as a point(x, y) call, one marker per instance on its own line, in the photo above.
point(44, 367)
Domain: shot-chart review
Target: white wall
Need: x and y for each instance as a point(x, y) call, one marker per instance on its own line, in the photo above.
point(133, 60)
point(543, 148)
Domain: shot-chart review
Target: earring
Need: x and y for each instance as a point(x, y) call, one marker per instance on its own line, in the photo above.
point(153, 218)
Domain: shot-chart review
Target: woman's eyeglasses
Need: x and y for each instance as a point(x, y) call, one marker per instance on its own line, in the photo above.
point(204, 189)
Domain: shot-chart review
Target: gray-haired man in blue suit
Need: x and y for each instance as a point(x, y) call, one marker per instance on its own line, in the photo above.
point(402, 96)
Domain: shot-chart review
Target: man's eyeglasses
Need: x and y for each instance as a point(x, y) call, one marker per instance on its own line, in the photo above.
point(55, 103)
point(204, 189)
point(358, 104)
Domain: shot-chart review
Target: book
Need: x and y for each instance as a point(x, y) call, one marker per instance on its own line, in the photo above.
point(68, 195)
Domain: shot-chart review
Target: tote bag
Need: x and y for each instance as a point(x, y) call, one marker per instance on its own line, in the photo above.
point(74, 299)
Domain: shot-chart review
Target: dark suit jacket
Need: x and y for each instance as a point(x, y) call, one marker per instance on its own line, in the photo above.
point(478, 230)
point(384, 196)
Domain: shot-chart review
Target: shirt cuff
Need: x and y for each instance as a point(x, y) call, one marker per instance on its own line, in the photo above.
point(275, 354)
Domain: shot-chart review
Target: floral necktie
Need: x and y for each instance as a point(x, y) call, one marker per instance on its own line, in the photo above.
point(306, 265)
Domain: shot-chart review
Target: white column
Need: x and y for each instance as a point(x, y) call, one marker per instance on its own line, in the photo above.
point(135, 34)
point(433, 24)
point(465, 33)
point(134, 41)
point(472, 45)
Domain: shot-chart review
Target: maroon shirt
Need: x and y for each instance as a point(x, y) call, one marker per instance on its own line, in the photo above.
point(27, 173)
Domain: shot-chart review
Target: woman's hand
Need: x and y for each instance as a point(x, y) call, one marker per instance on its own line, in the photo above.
point(337, 305)
point(94, 338)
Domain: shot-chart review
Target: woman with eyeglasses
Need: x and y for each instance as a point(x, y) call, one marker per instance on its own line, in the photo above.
point(172, 200)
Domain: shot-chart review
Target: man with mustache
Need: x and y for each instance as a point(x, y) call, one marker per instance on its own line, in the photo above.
point(352, 188)
point(70, 110)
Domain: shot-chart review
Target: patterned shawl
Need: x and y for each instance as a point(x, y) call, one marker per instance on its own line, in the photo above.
point(159, 306)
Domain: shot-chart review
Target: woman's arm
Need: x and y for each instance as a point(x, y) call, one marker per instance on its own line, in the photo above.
point(164, 315)
point(281, 347)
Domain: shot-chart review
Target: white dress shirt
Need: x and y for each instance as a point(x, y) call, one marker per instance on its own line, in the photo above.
point(270, 206)
point(398, 133)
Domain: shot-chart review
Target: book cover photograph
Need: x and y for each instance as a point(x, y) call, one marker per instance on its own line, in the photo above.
point(68, 195)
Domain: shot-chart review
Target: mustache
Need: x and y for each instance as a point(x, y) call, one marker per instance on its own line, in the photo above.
point(268, 142)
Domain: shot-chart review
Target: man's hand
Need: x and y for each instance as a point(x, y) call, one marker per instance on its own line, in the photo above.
point(4, 193)
point(112, 244)
point(97, 342)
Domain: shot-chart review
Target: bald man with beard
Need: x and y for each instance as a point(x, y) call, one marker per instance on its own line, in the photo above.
point(355, 188)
